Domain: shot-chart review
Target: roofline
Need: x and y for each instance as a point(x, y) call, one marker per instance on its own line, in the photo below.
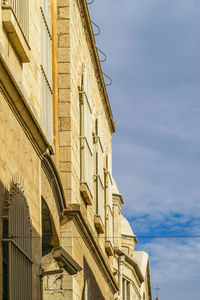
point(84, 5)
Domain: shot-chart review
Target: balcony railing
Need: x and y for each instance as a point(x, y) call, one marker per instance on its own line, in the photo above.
point(21, 10)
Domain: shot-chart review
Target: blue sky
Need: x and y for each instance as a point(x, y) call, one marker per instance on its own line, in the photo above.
point(153, 57)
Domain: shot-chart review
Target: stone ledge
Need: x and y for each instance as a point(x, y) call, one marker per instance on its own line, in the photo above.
point(84, 189)
point(98, 224)
point(15, 34)
point(109, 248)
point(66, 261)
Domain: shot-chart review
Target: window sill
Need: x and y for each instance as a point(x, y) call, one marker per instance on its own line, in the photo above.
point(86, 193)
point(98, 224)
point(15, 34)
point(109, 248)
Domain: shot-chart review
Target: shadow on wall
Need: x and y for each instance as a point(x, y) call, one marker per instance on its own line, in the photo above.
point(91, 289)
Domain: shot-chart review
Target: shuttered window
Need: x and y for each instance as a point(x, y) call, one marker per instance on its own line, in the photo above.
point(21, 11)
point(86, 137)
point(109, 201)
point(100, 202)
point(17, 247)
point(109, 209)
point(46, 69)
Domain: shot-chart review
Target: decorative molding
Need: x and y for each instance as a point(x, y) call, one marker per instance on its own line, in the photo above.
point(66, 261)
point(87, 196)
point(109, 248)
point(98, 224)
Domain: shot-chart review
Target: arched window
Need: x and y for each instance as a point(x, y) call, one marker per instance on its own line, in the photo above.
point(17, 246)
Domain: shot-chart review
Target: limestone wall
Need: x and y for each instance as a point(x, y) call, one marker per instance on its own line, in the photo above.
point(18, 156)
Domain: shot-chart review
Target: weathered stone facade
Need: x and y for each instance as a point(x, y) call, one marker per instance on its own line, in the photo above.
point(56, 129)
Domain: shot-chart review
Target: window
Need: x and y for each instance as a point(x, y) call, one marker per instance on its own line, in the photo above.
point(15, 20)
point(17, 246)
point(86, 139)
point(99, 172)
point(46, 68)
point(109, 206)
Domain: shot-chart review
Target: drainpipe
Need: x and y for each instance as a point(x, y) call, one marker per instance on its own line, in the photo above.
point(121, 261)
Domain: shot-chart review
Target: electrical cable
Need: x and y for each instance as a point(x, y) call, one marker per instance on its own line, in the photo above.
point(91, 2)
point(113, 237)
point(110, 83)
point(98, 28)
point(104, 59)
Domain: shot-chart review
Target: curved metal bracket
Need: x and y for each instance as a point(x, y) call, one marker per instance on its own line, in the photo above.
point(98, 28)
point(110, 83)
point(104, 59)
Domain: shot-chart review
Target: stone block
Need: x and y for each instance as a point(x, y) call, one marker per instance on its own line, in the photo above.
point(65, 124)
point(65, 154)
point(63, 3)
point(63, 40)
point(63, 26)
point(66, 179)
point(63, 12)
point(64, 68)
point(64, 138)
point(63, 55)
point(64, 109)
point(65, 166)
point(63, 80)
point(64, 95)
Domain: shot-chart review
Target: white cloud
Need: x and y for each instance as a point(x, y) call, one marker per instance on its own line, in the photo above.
point(153, 57)
point(173, 259)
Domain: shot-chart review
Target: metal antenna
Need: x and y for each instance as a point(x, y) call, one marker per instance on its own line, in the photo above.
point(157, 289)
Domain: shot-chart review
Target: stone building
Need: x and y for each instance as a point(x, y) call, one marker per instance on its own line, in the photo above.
point(62, 233)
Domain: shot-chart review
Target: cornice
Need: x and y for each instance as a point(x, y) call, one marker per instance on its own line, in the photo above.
point(118, 196)
point(76, 213)
point(83, 7)
point(130, 261)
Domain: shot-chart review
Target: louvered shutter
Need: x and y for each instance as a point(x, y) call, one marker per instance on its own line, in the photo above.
point(100, 201)
point(87, 85)
point(88, 125)
point(46, 68)
point(86, 139)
